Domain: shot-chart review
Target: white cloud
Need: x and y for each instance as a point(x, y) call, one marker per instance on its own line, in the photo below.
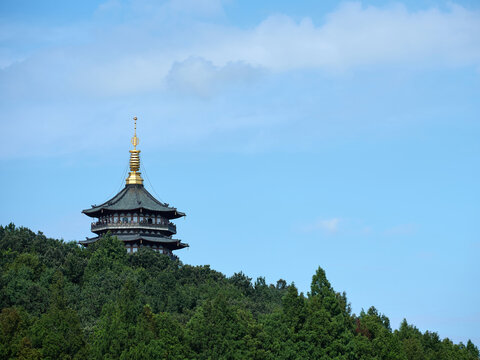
point(138, 55)
point(355, 36)
point(199, 7)
point(54, 79)
point(201, 77)
point(327, 225)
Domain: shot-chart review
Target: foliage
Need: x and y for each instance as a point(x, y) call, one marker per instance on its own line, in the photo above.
point(61, 301)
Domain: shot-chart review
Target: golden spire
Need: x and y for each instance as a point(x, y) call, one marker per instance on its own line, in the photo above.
point(134, 176)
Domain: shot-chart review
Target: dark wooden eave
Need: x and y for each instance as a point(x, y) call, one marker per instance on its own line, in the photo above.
point(172, 244)
point(134, 198)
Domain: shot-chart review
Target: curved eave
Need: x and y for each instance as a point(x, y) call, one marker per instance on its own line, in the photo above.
point(88, 241)
point(172, 244)
point(138, 198)
point(170, 213)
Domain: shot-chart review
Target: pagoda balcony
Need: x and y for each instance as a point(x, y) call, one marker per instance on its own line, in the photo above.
point(99, 226)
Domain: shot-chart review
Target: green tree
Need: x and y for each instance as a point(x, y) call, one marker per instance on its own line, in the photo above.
point(117, 326)
point(62, 301)
point(157, 337)
point(20, 284)
point(281, 333)
point(328, 326)
point(58, 333)
point(105, 274)
point(374, 338)
point(219, 330)
point(14, 324)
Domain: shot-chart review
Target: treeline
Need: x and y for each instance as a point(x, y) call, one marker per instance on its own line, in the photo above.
point(60, 301)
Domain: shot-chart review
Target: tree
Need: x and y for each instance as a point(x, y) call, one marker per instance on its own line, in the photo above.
point(328, 327)
point(242, 282)
point(117, 326)
point(20, 284)
point(61, 301)
point(374, 338)
point(157, 337)
point(58, 333)
point(220, 330)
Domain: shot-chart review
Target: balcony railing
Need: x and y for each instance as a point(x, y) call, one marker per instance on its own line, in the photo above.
point(142, 225)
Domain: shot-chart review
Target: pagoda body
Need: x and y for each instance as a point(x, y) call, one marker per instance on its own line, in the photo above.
point(135, 216)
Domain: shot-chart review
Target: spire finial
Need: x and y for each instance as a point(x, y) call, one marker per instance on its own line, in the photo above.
point(135, 140)
point(134, 176)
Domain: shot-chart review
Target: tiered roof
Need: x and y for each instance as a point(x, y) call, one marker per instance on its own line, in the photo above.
point(134, 198)
point(173, 244)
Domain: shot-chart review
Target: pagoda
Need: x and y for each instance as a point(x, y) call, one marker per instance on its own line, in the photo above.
point(134, 216)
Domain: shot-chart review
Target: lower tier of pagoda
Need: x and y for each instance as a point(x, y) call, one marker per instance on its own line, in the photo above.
point(133, 242)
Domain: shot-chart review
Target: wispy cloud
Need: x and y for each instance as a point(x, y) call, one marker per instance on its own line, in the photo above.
point(327, 225)
point(135, 50)
point(140, 54)
point(354, 36)
point(357, 227)
point(201, 77)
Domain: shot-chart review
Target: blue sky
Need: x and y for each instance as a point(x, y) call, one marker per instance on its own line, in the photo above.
point(293, 134)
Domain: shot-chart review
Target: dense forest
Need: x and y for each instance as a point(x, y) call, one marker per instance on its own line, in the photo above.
point(60, 301)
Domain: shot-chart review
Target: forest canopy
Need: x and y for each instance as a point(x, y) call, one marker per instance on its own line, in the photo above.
point(61, 301)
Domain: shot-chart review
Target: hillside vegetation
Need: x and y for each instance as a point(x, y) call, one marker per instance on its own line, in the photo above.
point(60, 301)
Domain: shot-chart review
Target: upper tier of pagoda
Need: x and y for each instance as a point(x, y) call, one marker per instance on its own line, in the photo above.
point(134, 198)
